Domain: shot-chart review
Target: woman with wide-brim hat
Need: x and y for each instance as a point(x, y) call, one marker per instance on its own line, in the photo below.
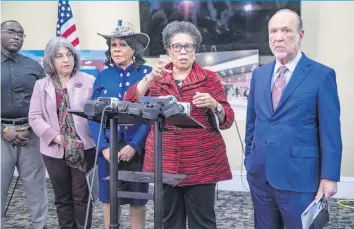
point(125, 64)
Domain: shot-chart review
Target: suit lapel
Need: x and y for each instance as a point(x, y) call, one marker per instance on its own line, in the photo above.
point(267, 86)
point(52, 108)
point(193, 80)
point(168, 84)
point(50, 90)
point(300, 72)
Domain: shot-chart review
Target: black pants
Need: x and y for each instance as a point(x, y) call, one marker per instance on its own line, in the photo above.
point(70, 191)
point(194, 203)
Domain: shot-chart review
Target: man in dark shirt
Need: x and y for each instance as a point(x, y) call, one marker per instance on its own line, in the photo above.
point(19, 145)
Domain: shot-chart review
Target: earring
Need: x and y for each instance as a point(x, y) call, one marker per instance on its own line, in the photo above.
point(133, 59)
point(194, 57)
point(169, 58)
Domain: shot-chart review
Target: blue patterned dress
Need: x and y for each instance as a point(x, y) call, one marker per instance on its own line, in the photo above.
point(114, 82)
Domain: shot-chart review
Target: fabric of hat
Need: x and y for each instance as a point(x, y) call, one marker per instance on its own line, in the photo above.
point(125, 29)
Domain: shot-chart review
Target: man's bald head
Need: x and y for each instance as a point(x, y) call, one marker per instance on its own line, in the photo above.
point(5, 23)
point(289, 12)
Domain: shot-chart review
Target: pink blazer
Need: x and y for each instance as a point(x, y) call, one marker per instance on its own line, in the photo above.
point(43, 117)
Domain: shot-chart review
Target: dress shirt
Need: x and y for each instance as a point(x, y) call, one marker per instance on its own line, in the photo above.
point(18, 76)
point(290, 66)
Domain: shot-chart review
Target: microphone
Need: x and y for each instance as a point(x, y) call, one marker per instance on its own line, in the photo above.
point(169, 105)
point(147, 107)
point(94, 107)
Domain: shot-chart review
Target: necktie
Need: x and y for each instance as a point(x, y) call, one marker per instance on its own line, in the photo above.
point(278, 86)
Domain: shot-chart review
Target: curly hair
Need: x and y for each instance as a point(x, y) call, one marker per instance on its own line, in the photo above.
point(133, 44)
point(177, 27)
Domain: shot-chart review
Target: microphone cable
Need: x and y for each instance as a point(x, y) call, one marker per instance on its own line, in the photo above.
point(345, 203)
point(242, 158)
point(94, 168)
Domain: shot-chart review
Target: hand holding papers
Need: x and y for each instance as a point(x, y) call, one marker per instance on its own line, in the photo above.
point(315, 214)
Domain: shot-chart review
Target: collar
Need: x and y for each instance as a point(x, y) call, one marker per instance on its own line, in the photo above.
point(291, 65)
point(129, 68)
point(16, 58)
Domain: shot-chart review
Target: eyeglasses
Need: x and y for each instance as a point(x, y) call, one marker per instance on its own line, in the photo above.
point(61, 56)
point(11, 33)
point(178, 47)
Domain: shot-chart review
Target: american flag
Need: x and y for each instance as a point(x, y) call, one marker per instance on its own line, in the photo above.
point(65, 24)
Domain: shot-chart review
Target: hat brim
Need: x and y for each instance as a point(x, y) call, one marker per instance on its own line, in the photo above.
point(142, 38)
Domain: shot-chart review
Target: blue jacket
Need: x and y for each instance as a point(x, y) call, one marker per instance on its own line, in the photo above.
point(114, 82)
point(298, 143)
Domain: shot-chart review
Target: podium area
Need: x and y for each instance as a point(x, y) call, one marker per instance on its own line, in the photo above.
point(158, 178)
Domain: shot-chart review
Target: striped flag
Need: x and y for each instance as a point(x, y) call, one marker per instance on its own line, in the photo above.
point(65, 24)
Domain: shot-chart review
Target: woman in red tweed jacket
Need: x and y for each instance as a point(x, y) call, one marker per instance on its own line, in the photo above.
point(198, 153)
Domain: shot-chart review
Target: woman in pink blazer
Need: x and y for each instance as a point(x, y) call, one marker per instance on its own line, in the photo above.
point(65, 142)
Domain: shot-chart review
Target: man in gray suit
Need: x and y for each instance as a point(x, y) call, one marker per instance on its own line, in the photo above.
point(19, 145)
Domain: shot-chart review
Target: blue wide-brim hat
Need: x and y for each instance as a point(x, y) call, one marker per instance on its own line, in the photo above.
point(125, 29)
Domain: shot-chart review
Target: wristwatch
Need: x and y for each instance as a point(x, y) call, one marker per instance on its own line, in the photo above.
point(218, 109)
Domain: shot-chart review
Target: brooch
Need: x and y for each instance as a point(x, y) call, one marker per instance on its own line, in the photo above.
point(78, 84)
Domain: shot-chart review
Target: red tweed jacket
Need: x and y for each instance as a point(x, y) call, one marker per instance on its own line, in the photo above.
point(198, 153)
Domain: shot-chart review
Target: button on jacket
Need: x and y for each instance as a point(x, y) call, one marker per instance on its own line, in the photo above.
point(114, 82)
point(198, 153)
point(43, 117)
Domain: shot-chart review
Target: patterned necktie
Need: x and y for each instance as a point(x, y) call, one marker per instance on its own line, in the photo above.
point(278, 86)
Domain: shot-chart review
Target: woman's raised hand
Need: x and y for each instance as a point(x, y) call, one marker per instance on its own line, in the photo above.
point(159, 69)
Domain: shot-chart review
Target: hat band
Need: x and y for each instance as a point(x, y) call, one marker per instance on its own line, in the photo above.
point(123, 31)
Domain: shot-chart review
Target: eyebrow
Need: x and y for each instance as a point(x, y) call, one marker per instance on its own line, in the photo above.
point(13, 30)
point(64, 53)
point(181, 43)
point(119, 42)
point(283, 27)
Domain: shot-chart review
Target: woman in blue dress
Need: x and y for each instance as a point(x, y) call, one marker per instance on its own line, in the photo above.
point(125, 67)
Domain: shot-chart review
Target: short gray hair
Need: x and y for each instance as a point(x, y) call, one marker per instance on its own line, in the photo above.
point(300, 24)
point(51, 50)
point(177, 27)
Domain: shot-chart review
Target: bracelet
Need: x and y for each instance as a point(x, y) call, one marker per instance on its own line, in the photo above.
point(3, 132)
point(145, 79)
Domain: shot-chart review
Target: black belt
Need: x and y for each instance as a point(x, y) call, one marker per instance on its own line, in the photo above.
point(15, 122)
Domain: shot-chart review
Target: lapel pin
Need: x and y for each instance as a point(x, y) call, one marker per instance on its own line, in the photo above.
point(78, 84)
